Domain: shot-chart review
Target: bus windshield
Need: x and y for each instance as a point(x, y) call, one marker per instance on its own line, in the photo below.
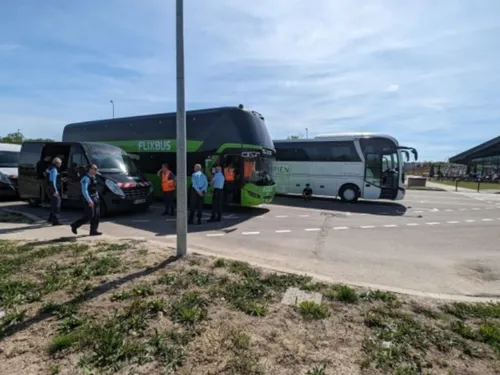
point(258, 170)
point(9, 159)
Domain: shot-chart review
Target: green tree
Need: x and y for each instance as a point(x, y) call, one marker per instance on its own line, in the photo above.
point(19, 138)
point(293, 137)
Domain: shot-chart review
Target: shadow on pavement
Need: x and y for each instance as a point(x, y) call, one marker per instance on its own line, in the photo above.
point(330, 204)
point(91, 294)
point(150, 221)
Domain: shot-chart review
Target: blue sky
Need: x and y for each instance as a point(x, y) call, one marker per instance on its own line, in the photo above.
point(426, 72)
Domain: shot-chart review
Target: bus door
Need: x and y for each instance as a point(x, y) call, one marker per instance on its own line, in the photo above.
point(373, 175)
point(232, 191)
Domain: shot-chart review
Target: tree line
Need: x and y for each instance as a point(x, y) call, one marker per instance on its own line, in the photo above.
point(19, 138)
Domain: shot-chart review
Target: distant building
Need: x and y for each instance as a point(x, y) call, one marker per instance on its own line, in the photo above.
point(483, 159)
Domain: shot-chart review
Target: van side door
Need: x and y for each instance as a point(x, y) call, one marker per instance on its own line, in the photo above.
point(31, 170)
point(77, 168)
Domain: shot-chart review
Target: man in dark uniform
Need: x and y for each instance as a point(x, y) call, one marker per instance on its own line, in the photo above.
point(54, 191)
point(91, 203)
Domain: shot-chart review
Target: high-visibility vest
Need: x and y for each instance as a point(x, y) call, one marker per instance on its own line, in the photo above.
point(248, 168)
point(229, 174)
point(167, 183)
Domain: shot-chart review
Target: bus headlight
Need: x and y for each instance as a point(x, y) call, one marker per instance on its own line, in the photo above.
point(114, 188)
point(5, 179)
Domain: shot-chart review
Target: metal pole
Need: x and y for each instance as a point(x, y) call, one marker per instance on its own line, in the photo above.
point(307, 133)
point(113, 106)
point(181, 136)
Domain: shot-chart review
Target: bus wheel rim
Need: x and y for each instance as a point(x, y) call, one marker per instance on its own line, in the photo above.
point(349, 194)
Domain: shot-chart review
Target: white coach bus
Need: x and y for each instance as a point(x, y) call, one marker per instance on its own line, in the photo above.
point(349, 166)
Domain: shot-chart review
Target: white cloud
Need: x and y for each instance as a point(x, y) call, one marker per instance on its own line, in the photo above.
point(327, 65)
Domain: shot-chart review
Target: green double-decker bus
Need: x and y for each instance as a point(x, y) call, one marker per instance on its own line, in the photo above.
point(219, 136)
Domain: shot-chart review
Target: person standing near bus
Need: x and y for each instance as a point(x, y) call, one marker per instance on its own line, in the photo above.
point(91, 205)
point(168, 187)
point(54, 191)
point(199, 186)
point(229, 177)
point(218, 195)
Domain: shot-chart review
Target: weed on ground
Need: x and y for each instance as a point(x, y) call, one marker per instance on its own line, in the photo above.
point(75, 308)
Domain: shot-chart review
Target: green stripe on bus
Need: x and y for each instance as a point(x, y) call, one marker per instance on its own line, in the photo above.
point(154, 145)
point(237, 145)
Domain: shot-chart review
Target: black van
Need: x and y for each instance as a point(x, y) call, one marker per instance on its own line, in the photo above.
point(121, 186)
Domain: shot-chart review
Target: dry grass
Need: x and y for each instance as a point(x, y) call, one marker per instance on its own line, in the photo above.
point(98, 308)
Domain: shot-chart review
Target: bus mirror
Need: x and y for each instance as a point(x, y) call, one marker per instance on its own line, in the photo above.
point(407, 155)
point(415, 154)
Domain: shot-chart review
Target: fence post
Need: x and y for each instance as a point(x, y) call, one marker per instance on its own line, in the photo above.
point(456, 185)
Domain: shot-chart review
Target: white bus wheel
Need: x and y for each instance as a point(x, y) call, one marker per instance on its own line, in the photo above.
point(349, 193)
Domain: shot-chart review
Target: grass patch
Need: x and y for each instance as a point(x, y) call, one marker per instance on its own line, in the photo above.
point(13, 217)
point(311, 310)
point(190, 309)
point(139, 290)
point(317, 370)
point(342, 293)
point(480, 310)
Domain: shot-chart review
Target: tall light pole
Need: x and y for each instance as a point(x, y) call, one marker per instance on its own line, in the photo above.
point(307, 133)
point(181, 136)
point(113, 107)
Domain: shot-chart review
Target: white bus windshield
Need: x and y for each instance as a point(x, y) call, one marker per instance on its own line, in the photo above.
point(9, 159)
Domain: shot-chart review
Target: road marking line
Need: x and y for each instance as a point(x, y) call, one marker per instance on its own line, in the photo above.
point(303, 215)
point(433, 223)
point(215, 234)
point(487, 219)
point(463, 209)
point(448, 210)
point(390, 226)
point(283, 231)
point(249, 233)
point(419, 212)
point(412, 224)
point(340, 228)
point(171, 236)
point(475, 209)
point(470, 221)
point(453, 222)
point(312, 229)
point(367, 226)
point(280, 216)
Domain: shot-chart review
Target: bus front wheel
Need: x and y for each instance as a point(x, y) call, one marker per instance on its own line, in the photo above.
point(349, 193)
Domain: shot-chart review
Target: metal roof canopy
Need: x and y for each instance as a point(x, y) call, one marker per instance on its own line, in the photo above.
point(486, 149)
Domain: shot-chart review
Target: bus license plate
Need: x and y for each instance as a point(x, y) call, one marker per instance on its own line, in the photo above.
point(139, 201)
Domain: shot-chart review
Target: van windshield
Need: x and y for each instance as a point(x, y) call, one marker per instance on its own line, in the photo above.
point(111, 159)
point(9, 159)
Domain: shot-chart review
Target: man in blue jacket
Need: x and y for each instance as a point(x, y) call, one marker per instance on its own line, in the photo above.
point(199, 186)
point(54, 191)
point(218, 195)
point(91, 203)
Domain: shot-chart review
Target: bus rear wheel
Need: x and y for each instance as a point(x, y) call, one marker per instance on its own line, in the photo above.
point(349, 193)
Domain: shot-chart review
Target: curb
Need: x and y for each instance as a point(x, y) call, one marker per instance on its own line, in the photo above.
point(34, 218)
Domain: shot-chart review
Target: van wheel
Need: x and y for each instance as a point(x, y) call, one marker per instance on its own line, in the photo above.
point(34, 202)
point(349, 193)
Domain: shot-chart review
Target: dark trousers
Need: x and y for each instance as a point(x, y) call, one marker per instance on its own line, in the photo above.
point(217, 199)
point(55, 209)
point(228, 191)
point(195, 204)
point(168, 199)
point(91, 214)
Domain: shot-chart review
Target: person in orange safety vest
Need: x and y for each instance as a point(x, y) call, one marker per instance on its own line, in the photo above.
point(168, 188)
point(229, 178)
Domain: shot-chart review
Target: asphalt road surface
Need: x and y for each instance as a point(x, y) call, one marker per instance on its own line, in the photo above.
point(440, 243)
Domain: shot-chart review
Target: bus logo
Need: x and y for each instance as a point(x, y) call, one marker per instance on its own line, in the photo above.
point(153, 146)
point(250, 154)
point(281, 168)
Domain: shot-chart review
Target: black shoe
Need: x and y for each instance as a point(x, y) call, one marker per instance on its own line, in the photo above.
point(95, 233)
point(73, 229)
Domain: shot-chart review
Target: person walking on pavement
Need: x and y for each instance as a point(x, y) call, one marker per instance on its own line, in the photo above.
point(218, 195)
point(54, 191)
point(168, 187)
point(91, 206)
point(199, 186)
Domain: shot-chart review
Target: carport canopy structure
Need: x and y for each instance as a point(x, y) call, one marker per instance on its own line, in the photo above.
point(486, 154)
